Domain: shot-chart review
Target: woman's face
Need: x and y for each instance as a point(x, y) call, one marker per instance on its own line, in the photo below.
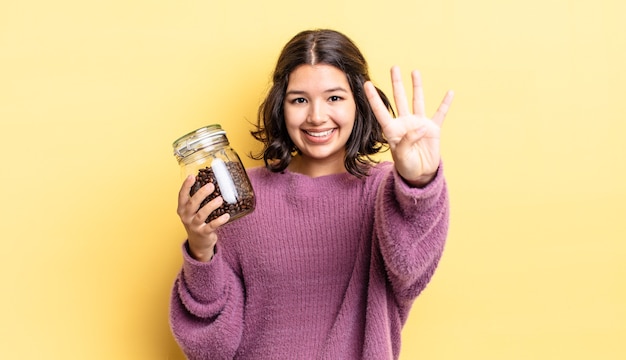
point(319, 112)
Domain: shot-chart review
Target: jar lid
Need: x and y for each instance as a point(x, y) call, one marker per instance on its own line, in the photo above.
point(203, 137)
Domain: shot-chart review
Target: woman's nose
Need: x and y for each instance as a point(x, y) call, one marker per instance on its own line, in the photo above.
point(317, 114)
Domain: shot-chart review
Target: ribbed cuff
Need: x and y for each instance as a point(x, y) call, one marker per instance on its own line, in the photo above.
point(204, 280)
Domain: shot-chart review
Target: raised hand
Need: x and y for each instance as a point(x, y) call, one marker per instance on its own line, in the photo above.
point(414, 139)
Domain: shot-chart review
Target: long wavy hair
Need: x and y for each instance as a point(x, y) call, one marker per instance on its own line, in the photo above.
point(321, 46)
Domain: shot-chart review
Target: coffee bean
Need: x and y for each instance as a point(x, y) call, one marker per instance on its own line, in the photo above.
point(245, 201)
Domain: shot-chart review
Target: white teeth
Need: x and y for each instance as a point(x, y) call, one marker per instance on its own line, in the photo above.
point(320, 134)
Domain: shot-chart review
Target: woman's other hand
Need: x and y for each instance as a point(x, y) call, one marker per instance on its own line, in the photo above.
point(413, 137)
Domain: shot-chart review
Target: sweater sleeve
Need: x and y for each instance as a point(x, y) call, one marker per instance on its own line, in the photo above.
point(206, 308)
point(411, 226)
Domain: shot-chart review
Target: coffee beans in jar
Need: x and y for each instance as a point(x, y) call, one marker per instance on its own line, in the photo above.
point(206, 154)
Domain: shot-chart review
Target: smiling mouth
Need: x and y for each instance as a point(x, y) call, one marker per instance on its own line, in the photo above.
point(319, 134)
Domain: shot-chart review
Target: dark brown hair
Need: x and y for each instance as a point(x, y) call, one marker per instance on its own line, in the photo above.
point(312, 47)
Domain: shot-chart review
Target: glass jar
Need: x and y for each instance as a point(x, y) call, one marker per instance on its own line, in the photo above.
point(206, 154)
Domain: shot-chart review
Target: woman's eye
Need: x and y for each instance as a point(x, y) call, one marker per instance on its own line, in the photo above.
point(334, 98)
point(298, 101)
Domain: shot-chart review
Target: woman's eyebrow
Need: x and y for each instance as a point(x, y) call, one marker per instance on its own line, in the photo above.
point(301, 92)
point(295, 92)
point(338, 88)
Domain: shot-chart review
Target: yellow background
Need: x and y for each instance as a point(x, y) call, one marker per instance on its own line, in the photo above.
point(92, 93)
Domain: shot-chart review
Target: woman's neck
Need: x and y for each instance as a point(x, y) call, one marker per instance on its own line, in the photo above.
point(316, 168)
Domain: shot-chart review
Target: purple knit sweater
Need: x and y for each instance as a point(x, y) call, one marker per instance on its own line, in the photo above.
point(324, 268)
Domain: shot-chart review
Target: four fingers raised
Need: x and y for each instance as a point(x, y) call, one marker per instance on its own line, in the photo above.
point(381, 112)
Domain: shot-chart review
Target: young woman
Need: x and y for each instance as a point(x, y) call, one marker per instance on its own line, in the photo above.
point(339, 246)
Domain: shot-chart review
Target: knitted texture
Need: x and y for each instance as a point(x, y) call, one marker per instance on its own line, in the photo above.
point(324, 268)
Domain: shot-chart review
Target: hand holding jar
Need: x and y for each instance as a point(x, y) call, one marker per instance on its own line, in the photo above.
point(216, 189)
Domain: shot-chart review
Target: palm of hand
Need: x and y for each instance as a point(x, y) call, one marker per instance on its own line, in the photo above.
point(414, 144)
